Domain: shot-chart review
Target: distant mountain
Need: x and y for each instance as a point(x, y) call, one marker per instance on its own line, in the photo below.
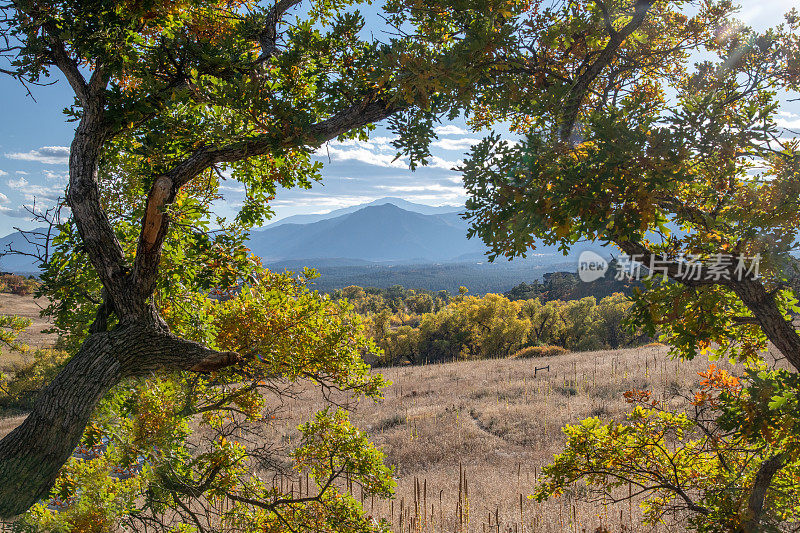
point(18, 263)
point(377, 233)
point(379, 244)
point(399, 202)
point(385, 234)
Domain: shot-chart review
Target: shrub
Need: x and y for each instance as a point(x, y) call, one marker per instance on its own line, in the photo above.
point(395, 420)
point(18, 390)
point(539, 351)
point(18, 285)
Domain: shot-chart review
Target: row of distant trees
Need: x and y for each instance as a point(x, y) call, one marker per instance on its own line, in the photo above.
point(418, 326)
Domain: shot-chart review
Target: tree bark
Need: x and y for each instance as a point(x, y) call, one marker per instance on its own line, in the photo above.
point(779, 331)
point(755, 504)
point(33, 453)
point(751, 292)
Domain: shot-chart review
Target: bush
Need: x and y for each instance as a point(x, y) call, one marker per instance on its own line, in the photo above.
point(539, 351)
point(19, 390)
point(19, 285)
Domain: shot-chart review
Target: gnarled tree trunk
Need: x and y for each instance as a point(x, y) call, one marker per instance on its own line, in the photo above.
point(32, 454)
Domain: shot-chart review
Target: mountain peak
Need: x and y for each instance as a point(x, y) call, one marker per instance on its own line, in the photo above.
point(384, 206)
point(376, 232)
point(397, 202)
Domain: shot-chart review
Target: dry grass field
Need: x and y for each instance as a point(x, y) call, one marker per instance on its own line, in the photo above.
point(493, 425)
point(27, 307)
point(468, 440)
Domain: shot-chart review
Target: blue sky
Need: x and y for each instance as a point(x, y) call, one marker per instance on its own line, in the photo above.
point(34, 137)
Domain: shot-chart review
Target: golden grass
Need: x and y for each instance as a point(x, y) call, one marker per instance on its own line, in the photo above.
point(538, 351)
point(469, 439)
point(27, 307)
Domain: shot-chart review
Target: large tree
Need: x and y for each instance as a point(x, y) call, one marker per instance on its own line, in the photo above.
point(629, 138)
point(652, 125)
point(170, 99)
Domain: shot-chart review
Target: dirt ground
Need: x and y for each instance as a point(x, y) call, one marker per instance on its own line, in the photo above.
point(497, 422)
point(27, 307)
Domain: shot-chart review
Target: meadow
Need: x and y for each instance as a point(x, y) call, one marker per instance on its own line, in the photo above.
point(468, 440)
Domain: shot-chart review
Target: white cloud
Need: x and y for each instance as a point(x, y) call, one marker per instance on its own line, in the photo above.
point(764, 14)
point(18, 184)
point(49, 155)
point(423, 187)
point(455, 198)
point(792, 123)
point(438, 162)
point(449, 130)
point(33, 192)
point(3, 198)
point(54, 176)
point(16, 212)
point(455, 144)
point(38, 192)
point(751, 13)
point(375, 143)
point(385, 159)
point(364, 155)
point(237, 187)
point(324, 204)
point(3, 173)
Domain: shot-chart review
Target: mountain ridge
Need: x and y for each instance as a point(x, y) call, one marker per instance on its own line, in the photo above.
point(399, 202)
point(377, 233)
point(371, 243)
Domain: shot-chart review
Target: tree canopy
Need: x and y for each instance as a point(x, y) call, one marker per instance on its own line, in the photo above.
point(171, 99)
point(652, 125)
point(649, 124)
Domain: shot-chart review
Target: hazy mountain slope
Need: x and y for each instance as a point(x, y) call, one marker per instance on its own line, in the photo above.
point(399, 202)
point(17, 263)
point(374, 233)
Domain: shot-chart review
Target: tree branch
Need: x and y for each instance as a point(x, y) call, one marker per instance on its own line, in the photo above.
point(165, 189)
point(33, 453)
point(269, 36)
point(67, 65)
point(581, 85)
point(763, 479)
point(750, 290)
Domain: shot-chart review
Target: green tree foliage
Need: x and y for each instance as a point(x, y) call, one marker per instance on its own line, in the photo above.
point(19, 386)
point(19, 285)
point(719, 459)
point(637, 118)
point(172, 98)
point(470, 327)
point(568, 286)
point(162, 450)
point(10, 328)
